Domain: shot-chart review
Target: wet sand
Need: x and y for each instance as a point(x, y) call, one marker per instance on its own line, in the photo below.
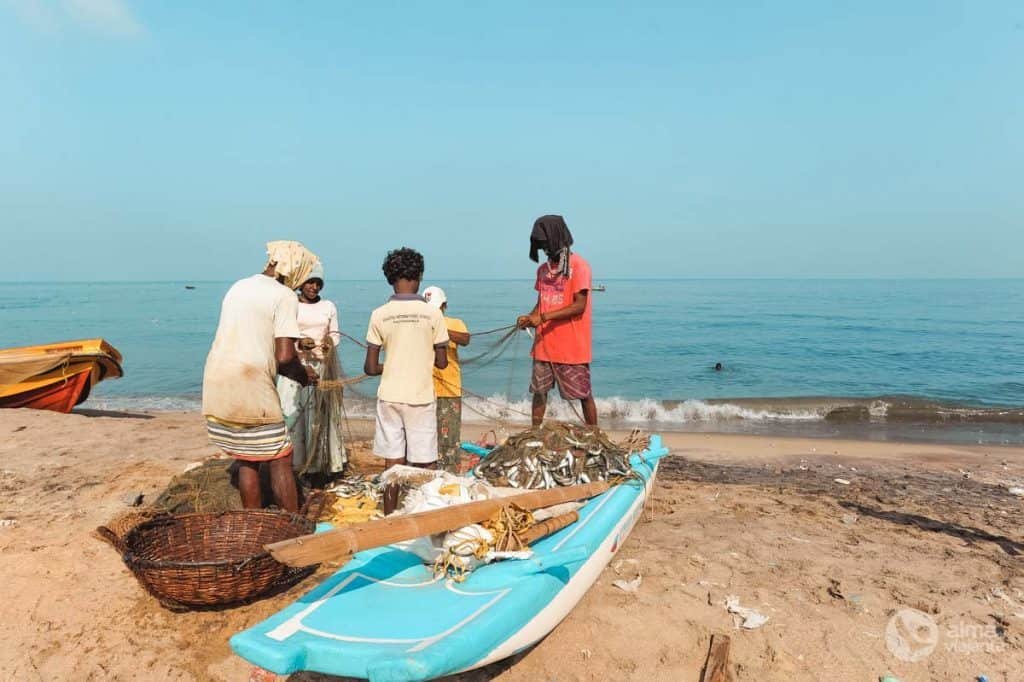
point(918, 526)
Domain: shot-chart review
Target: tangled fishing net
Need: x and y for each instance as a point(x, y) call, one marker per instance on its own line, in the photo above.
point(206, 488)
point(326, 406)
point(498, 537)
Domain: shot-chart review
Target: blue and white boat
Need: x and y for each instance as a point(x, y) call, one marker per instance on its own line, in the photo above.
point(384, 616)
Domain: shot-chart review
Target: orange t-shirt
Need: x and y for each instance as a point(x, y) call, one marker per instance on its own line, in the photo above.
point(563, 341)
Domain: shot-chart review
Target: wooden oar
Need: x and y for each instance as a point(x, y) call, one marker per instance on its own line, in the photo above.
point(542, 529)
point(340, 543)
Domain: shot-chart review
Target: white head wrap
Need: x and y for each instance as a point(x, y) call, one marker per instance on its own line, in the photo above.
point(291, 260)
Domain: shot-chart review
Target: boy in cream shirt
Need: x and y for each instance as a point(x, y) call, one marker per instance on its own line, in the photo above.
point(413, 337)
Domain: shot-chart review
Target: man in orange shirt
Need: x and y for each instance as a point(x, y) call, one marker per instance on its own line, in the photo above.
point(562, 348)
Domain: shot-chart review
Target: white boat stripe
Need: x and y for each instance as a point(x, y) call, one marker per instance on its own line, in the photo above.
point(420, 643)
point(294, 624)
point(431, 640)
point(577, 526)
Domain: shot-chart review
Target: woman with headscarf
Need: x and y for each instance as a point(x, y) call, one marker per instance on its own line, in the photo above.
point(313, 417)
point(255, 341)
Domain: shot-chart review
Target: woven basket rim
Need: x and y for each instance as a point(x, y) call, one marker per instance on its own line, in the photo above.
point(134, 561)
point(235, 564)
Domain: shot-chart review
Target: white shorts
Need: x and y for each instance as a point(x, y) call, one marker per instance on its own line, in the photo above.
point(406, 432)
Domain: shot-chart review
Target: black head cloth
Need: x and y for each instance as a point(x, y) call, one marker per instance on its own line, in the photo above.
point(551, 232)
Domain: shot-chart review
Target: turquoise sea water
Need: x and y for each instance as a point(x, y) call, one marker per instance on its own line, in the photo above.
point(875, 357)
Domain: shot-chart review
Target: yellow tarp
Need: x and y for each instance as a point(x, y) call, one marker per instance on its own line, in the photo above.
point(15, 369)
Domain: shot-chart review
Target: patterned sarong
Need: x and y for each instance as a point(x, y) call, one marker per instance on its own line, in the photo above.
point(573, 380)
point(449, 432)
point(260, 443)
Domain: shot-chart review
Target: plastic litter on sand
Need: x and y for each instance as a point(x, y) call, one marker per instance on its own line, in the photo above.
point(751, 618)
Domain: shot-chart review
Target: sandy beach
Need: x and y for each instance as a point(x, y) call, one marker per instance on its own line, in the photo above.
point(926, 527)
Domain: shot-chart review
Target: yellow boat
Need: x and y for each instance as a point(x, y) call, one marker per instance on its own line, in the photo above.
point(55, 376)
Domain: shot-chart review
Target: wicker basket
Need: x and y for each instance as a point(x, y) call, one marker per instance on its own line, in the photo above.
point(194, 561)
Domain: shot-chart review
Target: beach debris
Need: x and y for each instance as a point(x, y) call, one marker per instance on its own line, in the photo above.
point(1016, 490)
point(998, 593)
point(751, 618)
point(556, 455)
point(982, 678)
point(841, 481)
point(630, 586)
point(835, 589)
point(133, 498)
point(716, 667)
point(586, 653)
point(190, 467)
point(7, 523)
point(850, 519)
point(888, 678)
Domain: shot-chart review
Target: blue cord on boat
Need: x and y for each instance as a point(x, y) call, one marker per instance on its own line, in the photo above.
point(475, 449)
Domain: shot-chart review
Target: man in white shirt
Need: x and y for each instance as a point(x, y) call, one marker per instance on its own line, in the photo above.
point(255, 341)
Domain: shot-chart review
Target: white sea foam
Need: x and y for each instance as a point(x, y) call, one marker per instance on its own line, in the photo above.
point(501, 408)
point(148, 403)
point(633, 411)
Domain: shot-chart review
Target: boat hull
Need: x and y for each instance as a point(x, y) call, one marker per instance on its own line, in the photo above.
point(55, 376)
point(60, 395)
point(385, 617)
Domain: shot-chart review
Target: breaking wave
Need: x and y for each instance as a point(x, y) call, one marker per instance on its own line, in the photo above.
point(667, 414)
point(627, 411)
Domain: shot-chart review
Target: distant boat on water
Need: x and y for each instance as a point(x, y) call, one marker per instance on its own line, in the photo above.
point(598, 287)
point(189, 286)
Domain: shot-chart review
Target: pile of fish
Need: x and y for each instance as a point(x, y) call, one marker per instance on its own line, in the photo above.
point(554, 455)
point(353, 499)
point(355, 485)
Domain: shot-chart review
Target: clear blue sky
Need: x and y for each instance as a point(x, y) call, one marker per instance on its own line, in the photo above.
point(170, 140)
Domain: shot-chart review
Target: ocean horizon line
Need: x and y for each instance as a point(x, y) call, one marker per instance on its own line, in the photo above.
point(530, 279)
